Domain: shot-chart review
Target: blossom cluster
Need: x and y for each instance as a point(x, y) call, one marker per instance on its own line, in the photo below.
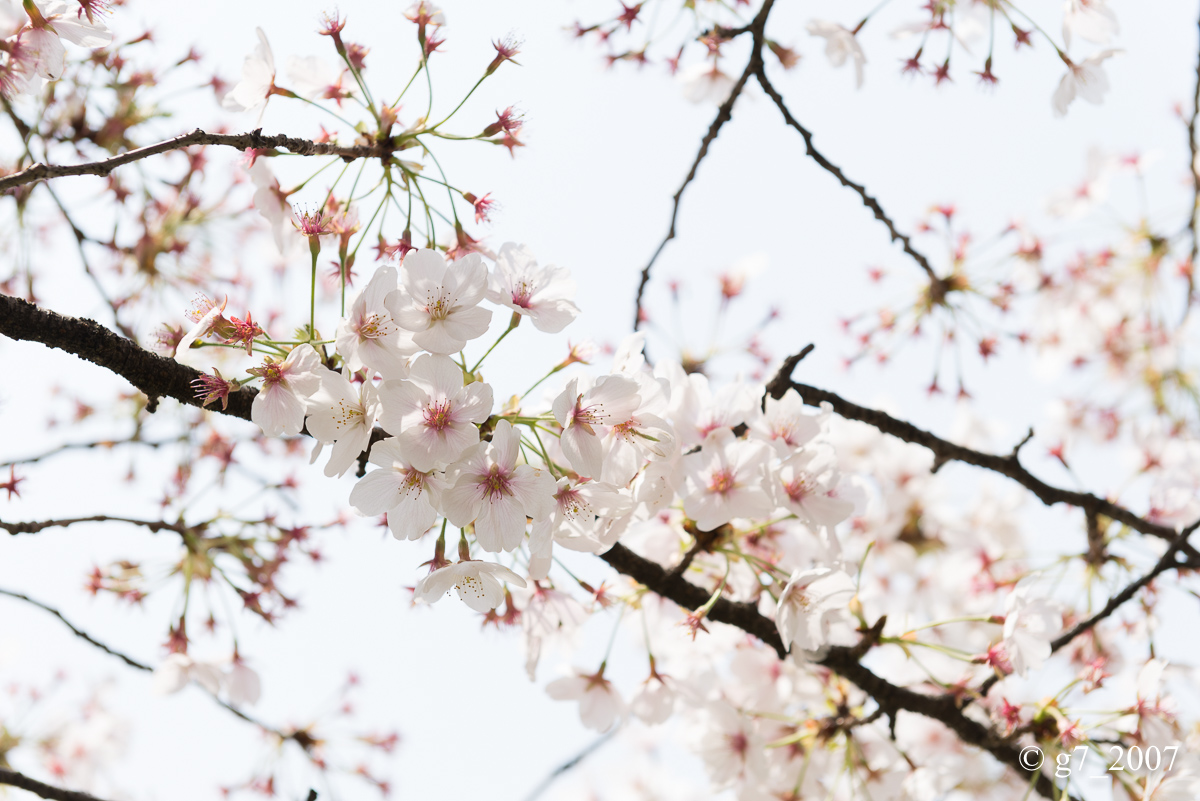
point(32, 50)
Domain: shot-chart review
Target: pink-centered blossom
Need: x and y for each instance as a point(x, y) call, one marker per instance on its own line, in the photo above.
point(808, 601)
point(279, 407)
point(611, 401)
point(51, 21)
point(493, 491)
point(573, 521)
point(433, 415)
point(806, 485)
point(725, 480)
point(409, 496)
point(368, 337)
point(543, 294)
point(439, 302)
point(480, 585)
point(346, 417)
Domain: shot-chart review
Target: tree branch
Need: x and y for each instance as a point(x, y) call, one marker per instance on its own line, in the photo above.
point(570, 763)
point(300, 736)
point(23, 782)
point(724, 114)
point(155, 375)
point(244, 141)
point(1192, 221)
point(34, 527)
point(840, 659)
point(831, 168)
point(944, 451)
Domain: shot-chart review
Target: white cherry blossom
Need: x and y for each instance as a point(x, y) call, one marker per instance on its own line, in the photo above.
point(1030, 623)
point(806, 604)
point(725, 480)
point(480, 585)
point(1085, 80)
point(573, 521)
point(51, 21)
point(493, 491)
point(278, 408)
point(179, 669)
point(611, 401)
point(1092, 20)
point(409, 496)
point(339, 414)
point(368, 337)
point(271, 203)
point(784, 423)
point(600, 705)
point(705, 83)
point(806, 485)
point(433, 413)
point(439, 302)
point(840, 44)
point(310, 76)
point(258, 79)
point(543, 294)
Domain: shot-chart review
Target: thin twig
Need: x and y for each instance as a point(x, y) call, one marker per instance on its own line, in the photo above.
point(33, 527)
point(107, 444)
point(1192, 221)
point(83, 635)
point(23, 782)
point(569, 764)
point(1007, 465)
point(868, 200)
point(1166, 562)
point(299, 736)
point(724, 114)
point(255, 140)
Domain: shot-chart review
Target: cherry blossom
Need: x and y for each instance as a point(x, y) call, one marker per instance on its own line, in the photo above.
point(434, 413)
point(312, 77)
point(784, 423)
point(573, 521)
point(725, 480)
point(840, 44)
point(480, 585)
point(272, 204)
point(439, 302)
point(368, 337)
point(179, 669)
point(705, 83)
point(806, 604)
point(806, 485)
point(1030, 623)
point(600, 705)
point(1092, 20)
point(495, 493)
point(339, 414)
point(1085, 80)
point(409, 496)
point(279, 407)
point(52, 19)
point(611, 401)
point(258, 80)
point(544, 294)
point(242, 684)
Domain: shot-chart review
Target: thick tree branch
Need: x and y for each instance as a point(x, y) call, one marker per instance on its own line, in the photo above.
point(34, 527)
point(23, 782)
point(255, 140)
point(155, 375)
point(724, 114)
point(868, 200)
point(840, 659)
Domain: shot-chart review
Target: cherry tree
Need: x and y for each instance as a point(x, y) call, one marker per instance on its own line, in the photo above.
point(813, 596)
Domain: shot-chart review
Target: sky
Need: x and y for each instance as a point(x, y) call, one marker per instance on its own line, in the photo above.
point(606, 149)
